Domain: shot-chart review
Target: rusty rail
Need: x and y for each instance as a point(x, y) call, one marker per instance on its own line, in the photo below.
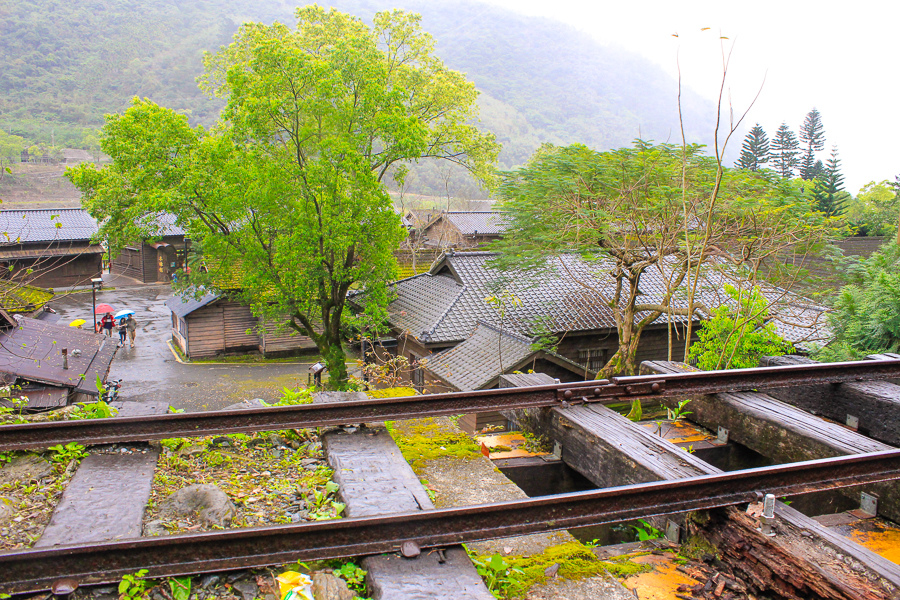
point(35, 570)
point(132, 429)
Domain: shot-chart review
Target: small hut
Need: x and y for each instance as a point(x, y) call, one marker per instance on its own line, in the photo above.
point(216, 324)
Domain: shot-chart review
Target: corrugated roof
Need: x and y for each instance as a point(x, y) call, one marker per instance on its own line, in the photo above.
point(183, 305)
point(572, 294)
point(46, 225)
point(32, 351)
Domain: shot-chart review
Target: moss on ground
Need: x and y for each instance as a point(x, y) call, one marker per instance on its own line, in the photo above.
point(426, 439)
point(696, 548)
point(576, 561)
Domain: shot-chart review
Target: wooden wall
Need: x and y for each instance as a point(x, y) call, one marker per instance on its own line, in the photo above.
point(56, 271)
point(226, 326)
point(129, 262)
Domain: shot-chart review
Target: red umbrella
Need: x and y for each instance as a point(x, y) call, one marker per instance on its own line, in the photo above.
point(103, 309)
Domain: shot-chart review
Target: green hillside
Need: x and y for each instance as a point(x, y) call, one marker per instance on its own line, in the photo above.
point(65, 64)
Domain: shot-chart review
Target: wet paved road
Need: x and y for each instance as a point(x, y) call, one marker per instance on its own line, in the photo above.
point(150, 371)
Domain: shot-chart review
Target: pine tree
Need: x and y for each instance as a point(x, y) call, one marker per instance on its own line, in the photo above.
point(829, 186)
point(755, 150)
point(812, 134)
point(784, 151)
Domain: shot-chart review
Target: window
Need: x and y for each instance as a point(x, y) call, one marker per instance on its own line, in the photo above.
point(594, 359)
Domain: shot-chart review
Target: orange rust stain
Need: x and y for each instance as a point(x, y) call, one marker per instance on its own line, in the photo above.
point(662, 582)
point(677, 432)
point(515, 441)
point(885, 543)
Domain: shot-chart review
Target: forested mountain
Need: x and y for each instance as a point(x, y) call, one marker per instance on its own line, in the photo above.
point(64, 64)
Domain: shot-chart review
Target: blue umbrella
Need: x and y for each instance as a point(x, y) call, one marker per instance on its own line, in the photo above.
point(123, 313)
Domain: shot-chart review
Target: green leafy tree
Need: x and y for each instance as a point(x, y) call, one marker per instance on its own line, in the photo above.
point(10, 151)
point(866, 317)
point(285, 198)
point(829, 187)
point(785, 149)
point(812, 136)
point(755, 150)
point(736, 336)
point(876, 209)
point(655, 211)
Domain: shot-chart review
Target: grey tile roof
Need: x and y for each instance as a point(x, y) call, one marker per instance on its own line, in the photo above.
point(163, 224)
point(472, 222)
point(476, 361)
point(183, 305)
point(424, 301)
point(46, 225)
point(444, 305)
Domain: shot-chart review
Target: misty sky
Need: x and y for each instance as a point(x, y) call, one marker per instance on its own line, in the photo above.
point(838, 58)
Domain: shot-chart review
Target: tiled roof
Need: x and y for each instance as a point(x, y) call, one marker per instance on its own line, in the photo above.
point(163, 224)
point(183, 305)
point(472, 222)
point(475, 362)
point(425, 300)
point(444, 305)
point(46, 225)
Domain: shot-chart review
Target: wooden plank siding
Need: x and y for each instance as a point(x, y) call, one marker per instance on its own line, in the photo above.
point(238, 326)
point(150, 264)
point(129, 262)
point(226, 326)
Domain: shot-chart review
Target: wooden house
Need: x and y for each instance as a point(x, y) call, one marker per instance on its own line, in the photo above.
point(154, 261)
point(453, 339)
point(460, 229)
point(49, 248)
point(215, 325)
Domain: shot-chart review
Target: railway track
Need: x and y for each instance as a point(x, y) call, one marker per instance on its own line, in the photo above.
point(136, 429)
point(35, 570)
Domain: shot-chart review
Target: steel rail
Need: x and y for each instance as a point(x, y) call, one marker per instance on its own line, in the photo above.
point(35, 570)
point(146, 428)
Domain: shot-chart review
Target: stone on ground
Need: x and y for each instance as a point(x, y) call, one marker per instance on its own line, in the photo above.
point(211, 504)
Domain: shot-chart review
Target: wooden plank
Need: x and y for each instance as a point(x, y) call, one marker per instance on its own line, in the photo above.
point(876, 404)
point(802, 561)
point(610, 450)
point(375, 479)
point(782, 432)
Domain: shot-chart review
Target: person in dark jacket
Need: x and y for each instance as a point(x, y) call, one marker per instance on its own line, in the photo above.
point(106, 323)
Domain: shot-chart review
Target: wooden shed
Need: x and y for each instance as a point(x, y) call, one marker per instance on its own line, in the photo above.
point(215, 325)
point(154, 261)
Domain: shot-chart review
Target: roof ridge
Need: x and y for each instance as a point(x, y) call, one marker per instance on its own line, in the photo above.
point(449, 307)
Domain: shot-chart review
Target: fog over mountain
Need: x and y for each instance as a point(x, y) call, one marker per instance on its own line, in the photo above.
point(68, 63)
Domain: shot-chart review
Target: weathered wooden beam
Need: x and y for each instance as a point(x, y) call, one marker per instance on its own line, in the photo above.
point(610, 450)
point(375, 479)
point(802, 561)
point(782, 432)
point(874, 405)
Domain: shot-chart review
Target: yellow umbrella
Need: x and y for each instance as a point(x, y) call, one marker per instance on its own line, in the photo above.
point(77, 323)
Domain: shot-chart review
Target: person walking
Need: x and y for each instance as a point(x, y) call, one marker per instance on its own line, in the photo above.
point(131, 325)
point(123, 332)
point(107, 322)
